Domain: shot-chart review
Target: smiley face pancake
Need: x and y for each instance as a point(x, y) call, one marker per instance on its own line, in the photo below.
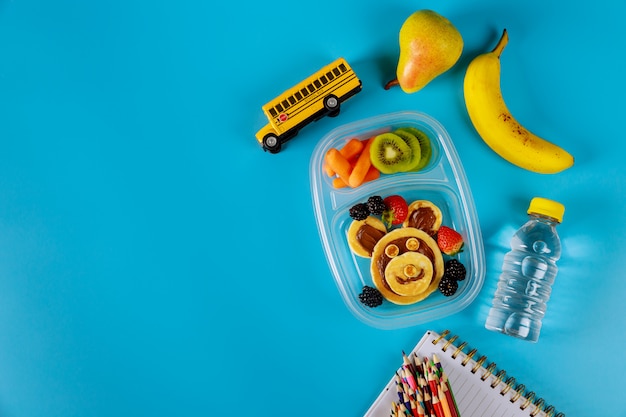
point(406, 265)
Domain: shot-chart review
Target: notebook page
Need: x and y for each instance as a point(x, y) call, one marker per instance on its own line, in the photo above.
point(474, 396)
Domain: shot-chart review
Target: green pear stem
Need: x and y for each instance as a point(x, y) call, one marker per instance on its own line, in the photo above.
point(504, 39)
point(392, 83)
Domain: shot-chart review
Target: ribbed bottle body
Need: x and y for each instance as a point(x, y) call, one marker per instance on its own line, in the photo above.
point(525, 283)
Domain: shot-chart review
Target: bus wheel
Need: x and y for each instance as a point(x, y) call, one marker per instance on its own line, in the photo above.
point(271, 143)
point(331, 103)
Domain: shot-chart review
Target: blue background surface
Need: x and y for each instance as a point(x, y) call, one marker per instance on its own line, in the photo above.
point(154, 261)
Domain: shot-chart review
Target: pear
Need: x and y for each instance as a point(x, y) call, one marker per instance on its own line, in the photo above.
point(429, 46)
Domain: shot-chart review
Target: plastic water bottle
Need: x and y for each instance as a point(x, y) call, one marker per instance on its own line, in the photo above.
point(528, 272)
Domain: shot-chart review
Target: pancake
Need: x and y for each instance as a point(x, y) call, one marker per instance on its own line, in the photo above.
point(424, 215)
point(399, 238)
point(363, 235)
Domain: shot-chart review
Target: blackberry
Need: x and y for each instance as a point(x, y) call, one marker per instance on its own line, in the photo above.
point(359, 211)
point(448, 286)
point(455, 270)
point(371, 297)
point(376, 205)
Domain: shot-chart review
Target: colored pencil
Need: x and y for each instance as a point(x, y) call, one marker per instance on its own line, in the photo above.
point(421, 408)
point(423, 389)
point(432, 382)
point(399, 388)
point(454, 408)
point(409, 375)
point(443, 376)
point(428, 404)
point(413, 406)
point(404, 410)
point(407, 402)
point(407, 362)
point(437, 364)
point(394, 409)
point(437, 407)
point(417, 362)
point(444, 400)
point(421, 383)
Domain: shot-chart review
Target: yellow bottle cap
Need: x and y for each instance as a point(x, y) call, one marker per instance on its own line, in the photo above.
point(546, 207)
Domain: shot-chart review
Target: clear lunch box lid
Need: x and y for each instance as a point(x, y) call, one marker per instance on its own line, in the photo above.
point(442, 181)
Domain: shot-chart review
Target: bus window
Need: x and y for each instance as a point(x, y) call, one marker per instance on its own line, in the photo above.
point(324, 79)
point(330, 75)
point(298, 96)
point(292, 100)
point(317, 83)
point(336, 71)
point(273, 112)
point(279, 107)
point(304, 92)
point(311, 88)
point(342, 68)
point(285, 104)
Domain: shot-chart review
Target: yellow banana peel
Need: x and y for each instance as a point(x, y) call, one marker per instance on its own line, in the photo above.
point(495, 124)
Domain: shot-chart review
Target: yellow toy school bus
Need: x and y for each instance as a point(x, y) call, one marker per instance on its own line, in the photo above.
point(313, 98)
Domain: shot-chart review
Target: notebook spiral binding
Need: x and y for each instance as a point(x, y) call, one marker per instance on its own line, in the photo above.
point(502, 382)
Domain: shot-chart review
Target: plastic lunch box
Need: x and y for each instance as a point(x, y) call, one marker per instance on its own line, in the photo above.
point(442, 182)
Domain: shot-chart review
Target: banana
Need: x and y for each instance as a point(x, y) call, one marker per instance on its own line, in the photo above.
point(495, 124)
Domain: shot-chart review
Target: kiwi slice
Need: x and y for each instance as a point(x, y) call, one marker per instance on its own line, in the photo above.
point(425, 146)
point(414, 144)
point(389, 153)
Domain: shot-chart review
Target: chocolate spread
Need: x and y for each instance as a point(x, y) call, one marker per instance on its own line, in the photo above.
point(423, 218)
point(368, 236)
point(410, 279)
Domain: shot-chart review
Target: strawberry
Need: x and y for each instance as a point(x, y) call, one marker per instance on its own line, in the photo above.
point(396, 211)
point(449, 240)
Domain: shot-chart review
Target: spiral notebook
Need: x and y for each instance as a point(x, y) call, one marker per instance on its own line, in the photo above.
point(479, 388)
